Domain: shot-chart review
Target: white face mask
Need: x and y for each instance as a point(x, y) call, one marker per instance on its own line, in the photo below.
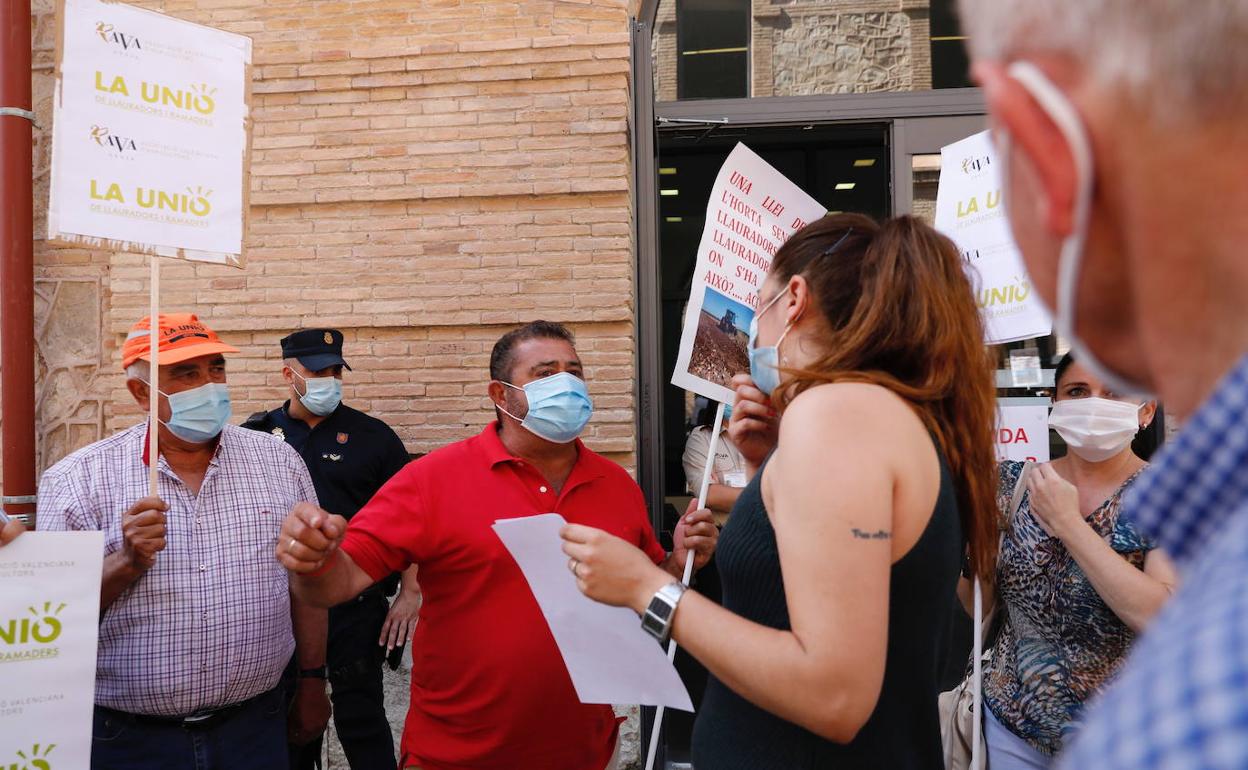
point(1096, 429)
point(1066, 118)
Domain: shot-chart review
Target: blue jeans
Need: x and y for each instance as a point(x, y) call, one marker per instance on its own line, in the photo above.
point(252, 738)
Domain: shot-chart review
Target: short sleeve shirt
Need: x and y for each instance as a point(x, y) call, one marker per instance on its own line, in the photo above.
point(209, 625)
point(729, 466)
point(489, 688)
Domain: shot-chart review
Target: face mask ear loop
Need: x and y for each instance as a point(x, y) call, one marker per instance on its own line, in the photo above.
point(504, 411)
point(305, 384)
point(161, 392)
point(783, 334)
point(1063, 114)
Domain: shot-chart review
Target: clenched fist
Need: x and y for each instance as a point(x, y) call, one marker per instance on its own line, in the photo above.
point(309, 536)
point(143, 532)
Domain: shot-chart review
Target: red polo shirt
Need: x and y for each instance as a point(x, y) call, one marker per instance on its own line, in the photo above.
point(489, 688)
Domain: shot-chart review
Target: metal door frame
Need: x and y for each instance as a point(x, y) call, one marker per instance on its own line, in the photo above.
point(921, 122)
point(919, 125)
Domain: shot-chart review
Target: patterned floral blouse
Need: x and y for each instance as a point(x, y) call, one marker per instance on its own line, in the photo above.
point(1059, 642)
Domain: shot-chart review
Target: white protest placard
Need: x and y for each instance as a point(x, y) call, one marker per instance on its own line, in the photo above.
point(151, 133)
point(1023, 429)
point(609, 658)
point(49, 624)
point(752, 211)
point(969, 211)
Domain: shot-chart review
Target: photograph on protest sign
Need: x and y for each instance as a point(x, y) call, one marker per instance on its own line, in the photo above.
point(971, 212)
point(151, 134)
point(752, 211)
point(719, 346)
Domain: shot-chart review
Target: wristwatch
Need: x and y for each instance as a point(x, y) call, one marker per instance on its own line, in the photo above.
point(657, 619)
point(320, 672)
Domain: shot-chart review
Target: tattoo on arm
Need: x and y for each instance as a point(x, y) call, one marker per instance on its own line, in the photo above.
point(882, 534)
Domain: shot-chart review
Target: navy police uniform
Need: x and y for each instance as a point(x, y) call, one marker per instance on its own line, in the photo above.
point(349, 455)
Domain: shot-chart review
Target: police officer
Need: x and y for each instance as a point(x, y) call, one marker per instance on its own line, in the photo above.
point(350, 455)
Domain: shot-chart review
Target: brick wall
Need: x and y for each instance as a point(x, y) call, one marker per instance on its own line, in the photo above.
point(425, 174)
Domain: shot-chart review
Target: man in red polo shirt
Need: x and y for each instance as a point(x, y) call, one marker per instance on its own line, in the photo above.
point(489, 687)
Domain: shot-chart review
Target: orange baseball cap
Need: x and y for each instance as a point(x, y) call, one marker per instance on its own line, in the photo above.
point(182, 336)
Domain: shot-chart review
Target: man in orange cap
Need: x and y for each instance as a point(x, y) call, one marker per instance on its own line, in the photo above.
point(197, 624)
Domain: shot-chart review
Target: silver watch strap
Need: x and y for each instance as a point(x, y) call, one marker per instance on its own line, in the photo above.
point(657, 619)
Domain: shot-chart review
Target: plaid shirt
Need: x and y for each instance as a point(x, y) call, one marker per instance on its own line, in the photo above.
point(209, 624)
point(1182, 699)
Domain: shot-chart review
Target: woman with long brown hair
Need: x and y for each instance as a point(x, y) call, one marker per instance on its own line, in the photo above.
point(841, 558)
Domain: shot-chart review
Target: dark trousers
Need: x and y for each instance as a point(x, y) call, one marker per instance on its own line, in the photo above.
point(677, 724)
point(253, 737)
point(355, 660)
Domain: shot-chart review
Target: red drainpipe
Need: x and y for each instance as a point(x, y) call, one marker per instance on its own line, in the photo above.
point(17, 277)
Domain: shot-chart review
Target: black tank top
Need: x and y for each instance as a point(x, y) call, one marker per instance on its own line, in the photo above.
point(904, 730)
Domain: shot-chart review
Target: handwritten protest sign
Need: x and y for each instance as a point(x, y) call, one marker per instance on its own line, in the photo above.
point(752, 211)
point(49, 625)
point(969, 210)
point(150, 133)
point(1023, 429)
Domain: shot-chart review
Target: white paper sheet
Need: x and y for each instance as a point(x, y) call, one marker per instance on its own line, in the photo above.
point(610, 659)
point(49, 624)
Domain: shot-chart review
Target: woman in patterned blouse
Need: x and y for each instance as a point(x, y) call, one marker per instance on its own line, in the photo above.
point(1076, 581)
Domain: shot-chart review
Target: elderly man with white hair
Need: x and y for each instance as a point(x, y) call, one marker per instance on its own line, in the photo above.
point(1122, 126)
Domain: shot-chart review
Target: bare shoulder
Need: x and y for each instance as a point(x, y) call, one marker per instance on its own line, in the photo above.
point(855, 421)
point(857, 402)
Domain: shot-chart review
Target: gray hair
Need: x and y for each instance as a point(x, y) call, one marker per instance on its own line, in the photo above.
point(1184, 58)
point(139, 370)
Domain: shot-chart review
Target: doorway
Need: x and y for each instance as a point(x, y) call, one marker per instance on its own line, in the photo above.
point(874, 153)
point(844, 167)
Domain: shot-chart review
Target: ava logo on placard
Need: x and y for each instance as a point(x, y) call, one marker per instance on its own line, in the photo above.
point(193, 201)
point(34, 758)
point(976, 166)
point(117, 145)
point(109, 34)
point(31, 638)
point(197, 98)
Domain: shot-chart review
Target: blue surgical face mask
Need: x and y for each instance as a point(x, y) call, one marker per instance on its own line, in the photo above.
point(199, 415)
point(321, 395)
point(765, 361)
point(559, 407)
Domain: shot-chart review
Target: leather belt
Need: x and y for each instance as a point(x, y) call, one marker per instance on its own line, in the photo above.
point(205, 720)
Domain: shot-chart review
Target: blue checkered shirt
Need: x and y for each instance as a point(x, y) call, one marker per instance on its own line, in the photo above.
point(209, 624)
point(1181, 701)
